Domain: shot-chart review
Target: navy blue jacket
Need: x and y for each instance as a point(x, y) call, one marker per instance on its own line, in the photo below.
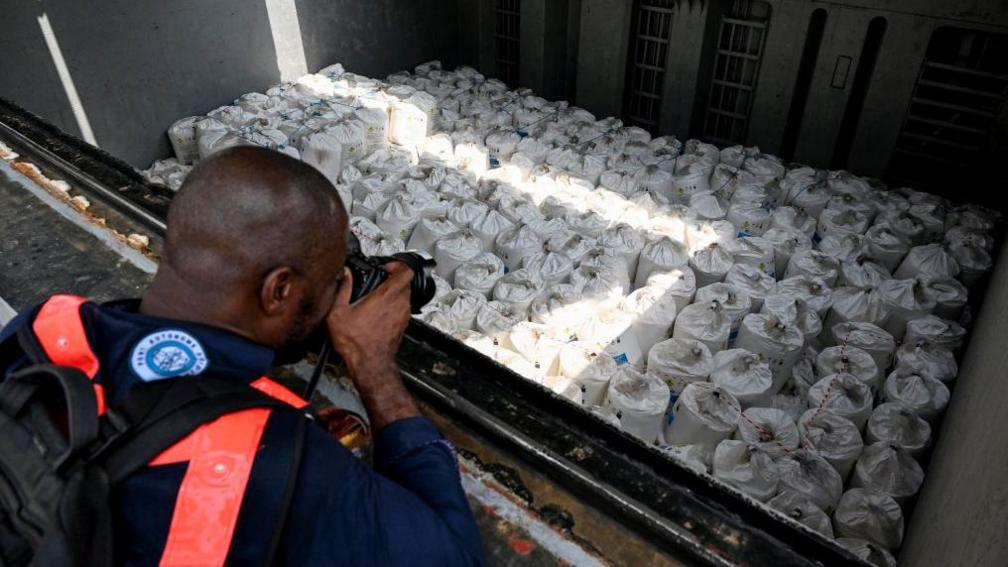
point(409, 510)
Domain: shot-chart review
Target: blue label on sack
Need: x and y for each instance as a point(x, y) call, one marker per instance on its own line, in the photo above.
point(494, 163)
point(621, 359)
point(522, 133)
point(744, 234)
point(669, 414)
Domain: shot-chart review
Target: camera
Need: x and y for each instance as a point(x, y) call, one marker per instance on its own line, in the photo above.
point(369, 273)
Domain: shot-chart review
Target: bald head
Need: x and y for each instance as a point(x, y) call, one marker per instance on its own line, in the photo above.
point(246, 210)
point(255, 237)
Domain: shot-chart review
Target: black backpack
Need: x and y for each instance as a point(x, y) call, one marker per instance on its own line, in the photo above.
point(59, 459)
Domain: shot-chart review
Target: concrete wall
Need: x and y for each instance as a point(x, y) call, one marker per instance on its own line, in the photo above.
point(962, 514)
point(139, 65)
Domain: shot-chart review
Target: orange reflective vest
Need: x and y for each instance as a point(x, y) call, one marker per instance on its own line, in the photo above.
point(220, 454)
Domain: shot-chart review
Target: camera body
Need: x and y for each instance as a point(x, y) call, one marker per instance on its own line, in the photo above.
point(369, 272)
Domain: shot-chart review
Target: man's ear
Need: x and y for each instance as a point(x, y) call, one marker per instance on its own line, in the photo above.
point(277, 292)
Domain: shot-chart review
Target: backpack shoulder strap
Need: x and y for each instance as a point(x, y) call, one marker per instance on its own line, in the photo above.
point(157, 415)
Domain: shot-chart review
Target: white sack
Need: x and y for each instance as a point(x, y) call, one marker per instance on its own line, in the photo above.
point(705, 322)
point(639, 402)
point(924, 395)
point(703, 414)
point(654, 312)
point(930, 260)
point(935, 331)
point(463, 306)
point(890, 470)
point(870, 515)
point(711, 263)
point(812, 476)
point(907, 300)
point(552, 267)
point(755, 251)
point(562, 308)
point(814, 264)
point(802, 510)
point(660, 255)
point(747, 468)
point(489, 227)
point(679, 362)
point(479, 273)
point(514, 243)
point(450, 252)
point(611, 329)
point(928, 361)
point(950, 296)
point(793, 311)
point(733, 302)
point(886, 245)
point(429, 231)
point(518, 289)
point(744, 375)
point(843, 395)
point(785, 242)
point(536, 343)
point(589, 368)
point(856, 304)
point(867, 551)
point(772, 430)
point(496, 320)
point(678, 283)
point(893, 424)
point(777, 342)
point(753, 282)
point(832, 437)
point(871, 338)
point(816, 293)
point(851, 360)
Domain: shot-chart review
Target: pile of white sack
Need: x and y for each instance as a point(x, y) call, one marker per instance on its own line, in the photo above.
point(791, 331)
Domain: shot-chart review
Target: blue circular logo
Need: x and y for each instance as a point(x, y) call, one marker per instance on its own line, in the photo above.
point(166, 354)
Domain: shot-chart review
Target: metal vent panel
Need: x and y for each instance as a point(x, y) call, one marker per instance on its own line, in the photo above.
point(738, 56)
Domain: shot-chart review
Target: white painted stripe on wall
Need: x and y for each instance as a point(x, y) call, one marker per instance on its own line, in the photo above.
point(68, 84)
point(6, 312)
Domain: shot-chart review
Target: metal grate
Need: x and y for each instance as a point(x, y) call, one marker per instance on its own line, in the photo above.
point(507, 36)
point(961, 89)
point(739, 53)
point(648, 57)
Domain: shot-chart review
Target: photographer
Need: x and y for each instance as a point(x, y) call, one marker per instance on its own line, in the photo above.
point(253, 266)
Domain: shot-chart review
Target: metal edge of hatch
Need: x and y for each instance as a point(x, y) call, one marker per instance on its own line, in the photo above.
point(682, 511)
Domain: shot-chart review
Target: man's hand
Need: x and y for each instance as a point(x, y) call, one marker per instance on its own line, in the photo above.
point(367, 335)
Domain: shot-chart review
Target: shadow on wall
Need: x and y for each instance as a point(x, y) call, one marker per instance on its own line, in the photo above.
point(136, 67)
point(378, 37)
